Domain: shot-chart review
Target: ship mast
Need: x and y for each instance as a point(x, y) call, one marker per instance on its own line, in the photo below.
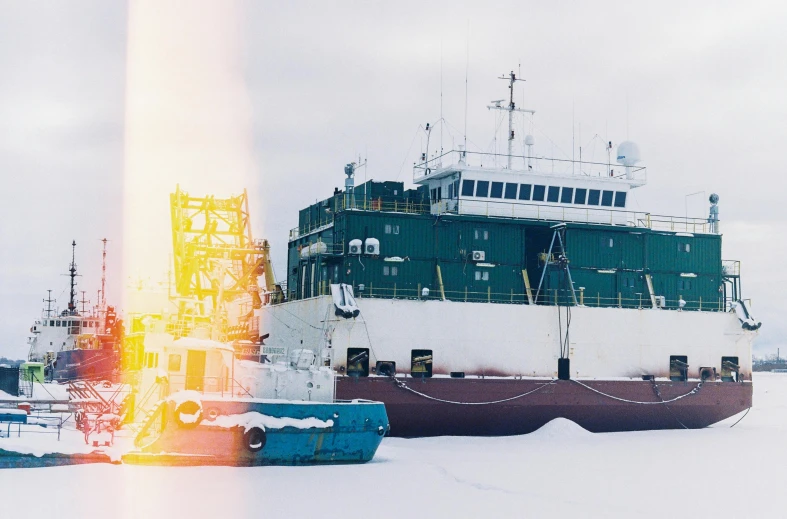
point(103, 300)
point(511, 108)
point(49, 302)
point(72, 272)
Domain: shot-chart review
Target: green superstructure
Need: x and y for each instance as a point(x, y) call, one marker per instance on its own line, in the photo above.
point(609, 264)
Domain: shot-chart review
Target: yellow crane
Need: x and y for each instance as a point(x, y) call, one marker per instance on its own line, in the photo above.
point(217, 260)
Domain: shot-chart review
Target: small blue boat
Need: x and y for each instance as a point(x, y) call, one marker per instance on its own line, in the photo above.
point(280, 413)
point(191, 429)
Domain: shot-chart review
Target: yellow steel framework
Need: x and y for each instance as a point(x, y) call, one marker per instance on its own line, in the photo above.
point(215, 255)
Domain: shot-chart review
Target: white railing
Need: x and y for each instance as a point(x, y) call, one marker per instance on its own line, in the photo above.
point(456, 159)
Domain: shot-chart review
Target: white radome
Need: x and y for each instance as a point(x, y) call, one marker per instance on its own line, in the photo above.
point(529, 140)
point(628, 153)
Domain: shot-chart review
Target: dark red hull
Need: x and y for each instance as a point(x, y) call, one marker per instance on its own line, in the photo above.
point(411, 414)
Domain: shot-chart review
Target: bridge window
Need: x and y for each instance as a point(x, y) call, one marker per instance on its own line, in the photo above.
point(593, 196)
point(511, 191)
point(606, 198)
point(450, 191)
point(538, 193)
point(482, 188)
point(620, 199)
point(51, 323)
point(468, 187)
point(580, 195)
point(567, 195)
point(524, 192)
point(497, 190)
point(553, 194)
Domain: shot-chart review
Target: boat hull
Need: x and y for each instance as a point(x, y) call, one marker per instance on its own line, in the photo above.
point(297, 433)
point(460, 407)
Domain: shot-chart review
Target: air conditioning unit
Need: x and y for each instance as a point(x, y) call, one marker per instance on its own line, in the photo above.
point(372, 247)
point(479, 255)
point(355, 246)
point(661, 302)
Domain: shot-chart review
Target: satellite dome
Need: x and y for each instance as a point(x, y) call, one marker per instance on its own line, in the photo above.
point(714, 198)
point(628, 153)
point(529, 140)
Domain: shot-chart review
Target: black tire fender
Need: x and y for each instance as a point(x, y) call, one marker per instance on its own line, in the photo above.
point(254, 439)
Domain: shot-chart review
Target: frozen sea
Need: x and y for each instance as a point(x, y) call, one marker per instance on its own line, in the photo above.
point(558, 471)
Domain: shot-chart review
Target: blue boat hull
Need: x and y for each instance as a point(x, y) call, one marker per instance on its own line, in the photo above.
point(287, 433)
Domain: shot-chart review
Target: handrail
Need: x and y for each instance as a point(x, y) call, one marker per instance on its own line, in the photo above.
point(523, 210)
point(458, 159)
point(549, 297)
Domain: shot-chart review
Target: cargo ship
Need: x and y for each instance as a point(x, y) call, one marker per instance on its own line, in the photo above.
point(506, 290)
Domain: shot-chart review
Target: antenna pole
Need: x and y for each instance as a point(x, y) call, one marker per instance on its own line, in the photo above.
point(511, 108)
point(103, 301)
point(83, 302)
point(467, 66)
point(72, 272)
point(49, 302)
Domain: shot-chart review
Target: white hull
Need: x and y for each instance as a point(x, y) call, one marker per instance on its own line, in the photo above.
point(513, 340)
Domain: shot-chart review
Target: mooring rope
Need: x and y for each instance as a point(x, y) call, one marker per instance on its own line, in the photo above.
point(693, 391)
point(408, 388)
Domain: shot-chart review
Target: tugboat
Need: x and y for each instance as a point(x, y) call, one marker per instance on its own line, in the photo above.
point(78, 343)
point(219, 395)
point(282, 413)
point(506, 290)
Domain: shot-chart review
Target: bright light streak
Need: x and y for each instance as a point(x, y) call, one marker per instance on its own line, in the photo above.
point(188, 122)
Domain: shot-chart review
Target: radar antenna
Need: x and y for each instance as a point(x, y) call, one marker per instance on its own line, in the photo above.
point(511, 108)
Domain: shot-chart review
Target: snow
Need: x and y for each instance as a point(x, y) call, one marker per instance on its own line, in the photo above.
point(255, 419)
point(558, 471)
point(184, 396)
point(37, 440)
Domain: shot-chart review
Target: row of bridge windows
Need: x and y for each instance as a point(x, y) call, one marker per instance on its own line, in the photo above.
point(541, 193)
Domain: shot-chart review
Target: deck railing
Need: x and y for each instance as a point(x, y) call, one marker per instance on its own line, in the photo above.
point(459, 159)
point(545, 297)
point(515, 209)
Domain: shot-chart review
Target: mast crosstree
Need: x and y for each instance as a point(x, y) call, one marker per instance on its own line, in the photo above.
point(511, 108)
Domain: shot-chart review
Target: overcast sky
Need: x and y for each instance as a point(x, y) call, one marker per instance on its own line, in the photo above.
point(699, 87)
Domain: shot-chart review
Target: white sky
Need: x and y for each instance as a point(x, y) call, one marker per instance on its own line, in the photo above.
point(702, 84)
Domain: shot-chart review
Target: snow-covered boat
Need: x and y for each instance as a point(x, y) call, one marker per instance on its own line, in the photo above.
point(278, 414)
